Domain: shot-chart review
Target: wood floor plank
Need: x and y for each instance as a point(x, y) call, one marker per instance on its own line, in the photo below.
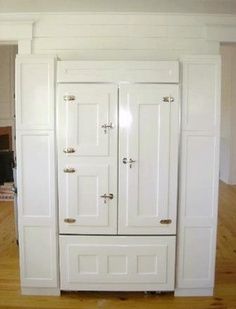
point(225, 290)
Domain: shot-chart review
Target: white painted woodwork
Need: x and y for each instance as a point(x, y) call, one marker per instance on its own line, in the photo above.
point(194, 292)
point(95, 158)
point(149, 133)
point(117, 263)
point(97, 262)
point(117, 36)
point(203, 71)
point(36, 146)
point(199, 172)
point(18, 32)
point(15, 30)
point(221, 33)
point(35, 89)
point(36, 173)
point(118, 71)
point(80, 121)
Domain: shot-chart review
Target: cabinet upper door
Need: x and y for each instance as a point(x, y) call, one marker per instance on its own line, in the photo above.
point(87, 147)
point(149, 131)
point(84, 118)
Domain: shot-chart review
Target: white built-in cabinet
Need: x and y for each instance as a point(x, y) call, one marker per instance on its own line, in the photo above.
point(198, 176)
point(110, 174)
point(36, 174)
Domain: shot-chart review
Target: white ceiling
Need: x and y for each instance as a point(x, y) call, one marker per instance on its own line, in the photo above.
point(171, 6)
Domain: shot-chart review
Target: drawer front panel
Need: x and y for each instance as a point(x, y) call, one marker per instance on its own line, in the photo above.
point(117, 263)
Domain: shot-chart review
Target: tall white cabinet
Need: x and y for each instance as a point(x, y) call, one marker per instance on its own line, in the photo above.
point(107, 194)
point(36, 174)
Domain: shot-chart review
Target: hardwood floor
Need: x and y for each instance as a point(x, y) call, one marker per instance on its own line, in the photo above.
point(225, 290)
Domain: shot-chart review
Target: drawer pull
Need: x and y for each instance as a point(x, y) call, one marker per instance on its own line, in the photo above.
point(69, 150)
point(69, 220)
point(69, 98)
point(69, 170)
point(165, 221)
point(168, 99)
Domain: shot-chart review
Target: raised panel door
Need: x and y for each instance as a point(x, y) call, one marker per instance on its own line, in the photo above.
point(87, 126)
point(148, 159)
point(86, 118)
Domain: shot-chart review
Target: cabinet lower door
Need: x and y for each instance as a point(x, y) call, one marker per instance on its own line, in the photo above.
point(87, 156)
point(117, 263)
point(149, 131)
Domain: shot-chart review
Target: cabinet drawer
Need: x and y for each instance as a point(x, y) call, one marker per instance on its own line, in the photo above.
point(117, 263)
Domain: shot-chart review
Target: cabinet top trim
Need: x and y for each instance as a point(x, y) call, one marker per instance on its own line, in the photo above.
point(118, 71)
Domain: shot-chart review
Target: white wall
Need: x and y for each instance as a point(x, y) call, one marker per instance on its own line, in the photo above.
point(7, 84)
point(228, 114)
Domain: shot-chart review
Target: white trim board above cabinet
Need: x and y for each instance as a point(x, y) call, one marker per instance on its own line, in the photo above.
point(118, 132)
point(118, 71)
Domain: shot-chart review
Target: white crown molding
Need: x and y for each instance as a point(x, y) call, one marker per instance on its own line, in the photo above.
point(18, 32)
point(221, 33)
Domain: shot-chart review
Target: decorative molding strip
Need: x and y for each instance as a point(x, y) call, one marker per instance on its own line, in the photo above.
point(17, 31)
point(221, 33)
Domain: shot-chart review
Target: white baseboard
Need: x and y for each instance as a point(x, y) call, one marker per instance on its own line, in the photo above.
point(41, 291)
point(193, 292)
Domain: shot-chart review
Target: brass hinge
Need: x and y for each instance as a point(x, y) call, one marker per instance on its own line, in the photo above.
point(69, 98)
point(165, 221)
point(69, 220)
point(69, 150)
point(69, 170)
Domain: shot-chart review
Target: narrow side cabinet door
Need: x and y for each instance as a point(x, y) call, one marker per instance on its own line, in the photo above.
point(87, 147)
point(148, 159)
point(36, 173)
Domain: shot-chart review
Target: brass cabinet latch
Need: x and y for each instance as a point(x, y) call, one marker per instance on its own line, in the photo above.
point(130, 161)
point(165, 221)
point(107, 196)
point(107, 126)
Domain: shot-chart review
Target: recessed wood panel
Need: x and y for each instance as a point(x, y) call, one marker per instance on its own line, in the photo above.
point(197, 261)
point(149, 137)
point(35, 93)
point(199, 187)
point(200, 100)
point(36, 169)
point(37, 258)
point(122, 262)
